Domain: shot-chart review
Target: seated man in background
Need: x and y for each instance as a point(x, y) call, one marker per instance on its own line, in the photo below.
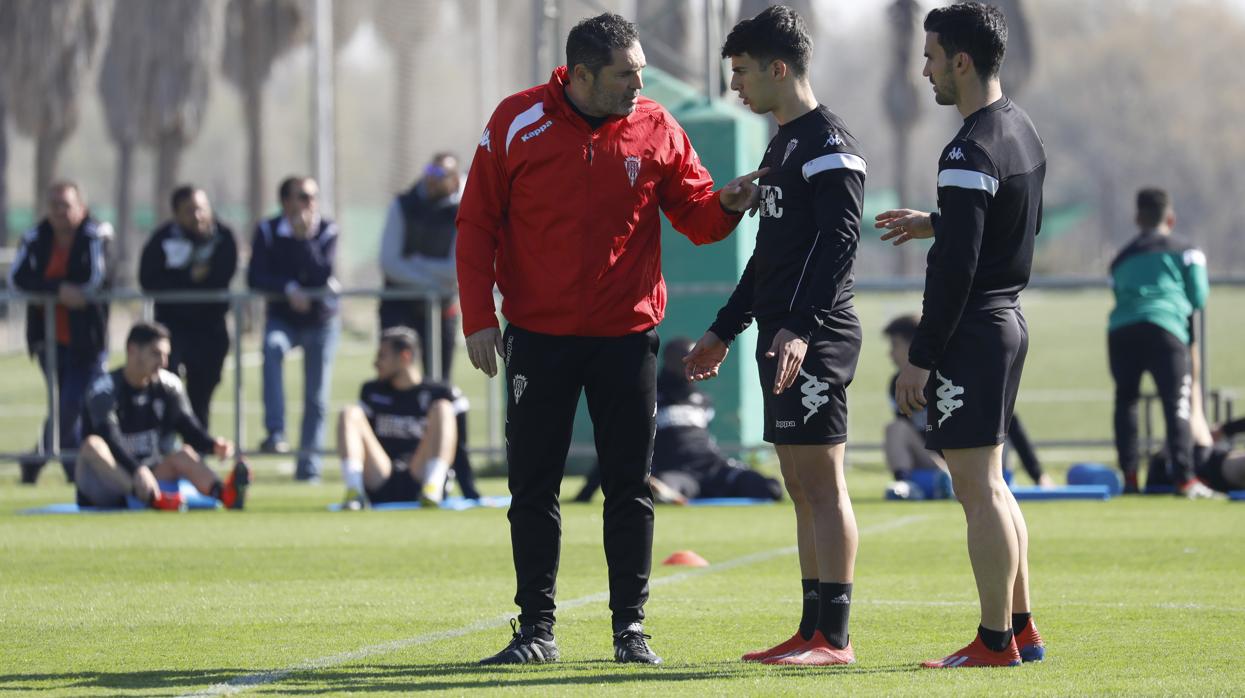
point(130, 419)
point(904, 437)
point(398, 442)
point(687, 463)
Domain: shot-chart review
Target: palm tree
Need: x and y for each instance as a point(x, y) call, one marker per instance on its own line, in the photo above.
point(903, 103)
point(154, 86)
point(405, 25)
point(49, 49)
point(7, 24)
point(257, 33)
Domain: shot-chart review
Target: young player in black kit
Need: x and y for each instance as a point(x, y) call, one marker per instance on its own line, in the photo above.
point(130, 420)
point(398, 443)
point(798, 287)
point(966, 359)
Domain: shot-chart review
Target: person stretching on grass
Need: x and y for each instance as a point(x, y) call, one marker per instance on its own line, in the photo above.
point(397, 443)
point(130, 420)
point(966, 359)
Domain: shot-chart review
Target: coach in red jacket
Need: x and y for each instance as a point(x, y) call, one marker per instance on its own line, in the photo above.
point(561, 212)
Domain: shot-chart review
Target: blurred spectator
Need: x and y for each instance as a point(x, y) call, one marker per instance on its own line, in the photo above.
point(904, 438)
point(401, 441)
point(417, 252)
point(65, 254)
point(687, 463)
point(193, 252)
point(130, 420)
point(1159, 279)
point(291, 254)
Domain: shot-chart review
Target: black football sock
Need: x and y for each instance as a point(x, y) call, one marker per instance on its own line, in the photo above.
point(215, 492)
point(808, 617)
point(995, 640)
point(1020, 621)
point(836, 606)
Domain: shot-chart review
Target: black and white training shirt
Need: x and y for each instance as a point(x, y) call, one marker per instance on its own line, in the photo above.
point(140, 425)
point(399, 417)
point(989, 211)
point(801, 269)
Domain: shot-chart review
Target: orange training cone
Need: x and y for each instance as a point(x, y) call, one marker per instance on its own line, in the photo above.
point(686, 558)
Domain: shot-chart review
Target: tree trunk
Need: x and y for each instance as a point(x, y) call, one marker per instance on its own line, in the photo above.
point(47, 151)
point(168, 162)
point(904, 253)
point(123, 270)
point(255, 152)
point(404, 71)
point(4, 179)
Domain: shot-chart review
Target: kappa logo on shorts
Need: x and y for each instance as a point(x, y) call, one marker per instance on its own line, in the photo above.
point(947, 394)
point(632, 163)
point(813, 399)
point(520, 384)
point(1184, 402)
point(509, 348)
point(785, 424)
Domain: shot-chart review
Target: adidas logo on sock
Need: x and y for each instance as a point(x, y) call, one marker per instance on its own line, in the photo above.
point(840, 599)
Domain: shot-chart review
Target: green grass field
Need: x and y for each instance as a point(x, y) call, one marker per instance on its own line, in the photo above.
point(1134, 596)
point(1137, 596)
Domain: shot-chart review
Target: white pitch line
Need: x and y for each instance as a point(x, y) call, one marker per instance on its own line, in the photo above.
point(249, 681)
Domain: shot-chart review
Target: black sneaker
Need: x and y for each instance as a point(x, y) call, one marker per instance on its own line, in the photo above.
point(274, 444)
point(525, 648)
point(630, 646)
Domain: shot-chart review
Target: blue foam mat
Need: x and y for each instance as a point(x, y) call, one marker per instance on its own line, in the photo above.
point(1097, 492)
point(727, 502)
point(193, 498)
point(449, 504)
point(1237, 495)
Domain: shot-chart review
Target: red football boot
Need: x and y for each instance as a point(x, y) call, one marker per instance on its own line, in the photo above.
point(1032, 649)
point(795, 642)
point(816, 652)
point(168, 501)
point(977, 655)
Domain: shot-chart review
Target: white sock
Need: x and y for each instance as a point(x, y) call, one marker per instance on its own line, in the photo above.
point(435, 472)
point(352, 474)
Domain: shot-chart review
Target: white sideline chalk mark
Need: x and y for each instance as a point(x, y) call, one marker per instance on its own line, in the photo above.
point(249, 681)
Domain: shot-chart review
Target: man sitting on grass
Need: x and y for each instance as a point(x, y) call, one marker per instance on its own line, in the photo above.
point(397, 443)
point(130, 420)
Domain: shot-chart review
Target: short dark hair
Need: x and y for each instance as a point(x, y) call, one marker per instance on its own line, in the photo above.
point(62, 184)
point(402, 339)
point(778, 33)
point(902, 327)
point(592, 41)
point(974, 28)
point(144, 333)
point(1152, 205)
point(286, 189)
point(181, 194)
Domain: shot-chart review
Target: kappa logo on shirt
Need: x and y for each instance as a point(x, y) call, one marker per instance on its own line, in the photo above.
point(956, 154)
point(813, 398)
point(485, 141)
point(947, 394)
point(833, 138)
point(520, 384)
point(632, 163)
point(791, 145)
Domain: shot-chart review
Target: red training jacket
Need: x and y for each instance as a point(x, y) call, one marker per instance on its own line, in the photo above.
point(564, 219)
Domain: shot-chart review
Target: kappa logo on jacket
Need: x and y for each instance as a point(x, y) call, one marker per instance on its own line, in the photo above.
point(486, 140)
point(833, 138)
point(956, 154)
point(632, 163)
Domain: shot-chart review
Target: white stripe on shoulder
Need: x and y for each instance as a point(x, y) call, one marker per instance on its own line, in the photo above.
point(833, 161)
point(522, 121)
point(968, 179)
point(1194, 258)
